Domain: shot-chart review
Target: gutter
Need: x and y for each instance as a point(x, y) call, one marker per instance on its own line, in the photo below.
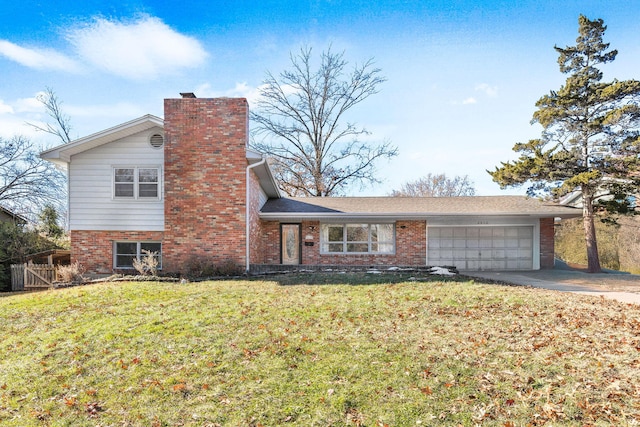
point(247, 211)
point(274, 216)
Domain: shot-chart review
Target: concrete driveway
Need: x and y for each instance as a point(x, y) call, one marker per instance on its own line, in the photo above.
point(614, 285)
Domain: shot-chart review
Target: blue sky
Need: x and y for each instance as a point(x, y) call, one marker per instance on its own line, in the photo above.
point(462, 76)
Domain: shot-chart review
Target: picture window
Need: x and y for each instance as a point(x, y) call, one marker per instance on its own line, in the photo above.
point(357, 238)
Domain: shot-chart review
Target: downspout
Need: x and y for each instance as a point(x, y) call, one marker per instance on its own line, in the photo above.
point(247, 212)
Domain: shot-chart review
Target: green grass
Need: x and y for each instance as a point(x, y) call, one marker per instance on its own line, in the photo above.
point(251, 353)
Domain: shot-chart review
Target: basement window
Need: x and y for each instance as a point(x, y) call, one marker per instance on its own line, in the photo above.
point(125, 252)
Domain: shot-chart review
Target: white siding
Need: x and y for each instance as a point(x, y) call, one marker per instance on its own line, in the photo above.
point(91, 202)
point(262, 197)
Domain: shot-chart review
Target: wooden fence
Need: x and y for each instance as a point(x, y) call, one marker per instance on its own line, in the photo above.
point(27, 277)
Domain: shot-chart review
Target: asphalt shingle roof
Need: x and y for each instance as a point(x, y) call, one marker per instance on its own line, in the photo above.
point(416, 206)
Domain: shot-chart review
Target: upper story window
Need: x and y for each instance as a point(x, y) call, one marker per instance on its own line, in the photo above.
point(357, 238)
point(136, 183)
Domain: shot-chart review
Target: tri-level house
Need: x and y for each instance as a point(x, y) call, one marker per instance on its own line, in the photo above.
point(187, 186)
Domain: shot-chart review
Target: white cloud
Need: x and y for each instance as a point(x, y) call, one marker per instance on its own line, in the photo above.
point(15, 116)
point(4, 108)
point(30, 105)
point(491, 91)
point(245, 91)
point(43, 59)
point(12, 125)
point(470, 100)
point(140, 49)
point(240, 90)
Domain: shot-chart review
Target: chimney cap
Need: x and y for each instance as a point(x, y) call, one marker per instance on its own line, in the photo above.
point(187, 94)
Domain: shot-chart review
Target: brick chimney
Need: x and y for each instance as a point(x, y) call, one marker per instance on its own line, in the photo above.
point(204, 181)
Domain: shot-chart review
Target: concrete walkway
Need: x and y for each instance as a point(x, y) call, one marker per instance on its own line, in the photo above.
point(561, 278)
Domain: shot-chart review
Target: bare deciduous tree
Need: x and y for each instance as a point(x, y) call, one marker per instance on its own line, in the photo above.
point(301, 118)
point(438, 185)
point(25, 178)
point(62, 123)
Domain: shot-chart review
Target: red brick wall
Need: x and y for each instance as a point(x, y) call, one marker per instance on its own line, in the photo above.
point(94, 249)
point(547, 243)
point(204, 180)
point(411, 246)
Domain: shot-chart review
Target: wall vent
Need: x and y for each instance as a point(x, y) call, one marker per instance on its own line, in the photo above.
point(156, 140)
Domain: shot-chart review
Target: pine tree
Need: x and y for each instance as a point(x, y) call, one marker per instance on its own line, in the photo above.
point(590, 140)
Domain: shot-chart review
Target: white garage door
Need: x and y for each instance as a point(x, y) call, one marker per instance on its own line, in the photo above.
point(481, 248)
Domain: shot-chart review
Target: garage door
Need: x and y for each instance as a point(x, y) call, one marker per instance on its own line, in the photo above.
point(481, 248)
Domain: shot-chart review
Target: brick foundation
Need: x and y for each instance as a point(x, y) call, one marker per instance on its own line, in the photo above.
point(93, 250)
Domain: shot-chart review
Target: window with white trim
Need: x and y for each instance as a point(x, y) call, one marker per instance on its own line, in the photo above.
point(125, 252)
point(357, 238)
point(136, 183)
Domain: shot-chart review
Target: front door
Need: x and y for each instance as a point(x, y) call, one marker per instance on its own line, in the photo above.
point(290, 243)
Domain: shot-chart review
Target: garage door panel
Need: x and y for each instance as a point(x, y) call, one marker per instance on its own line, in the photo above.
point(498, 242)
point(486, 243)
point(459, 243)
point(525, 253)
point(482, 248)
point(499, 254)
point(499, 264)
point(486, 264)
point(485, 232)
point(512, 264)
point(459, 254)
point(469, 265)
point(446, 232)
point(511, 232)
point(511, 243)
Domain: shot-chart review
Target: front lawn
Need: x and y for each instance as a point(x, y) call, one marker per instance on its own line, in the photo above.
point(260, 353)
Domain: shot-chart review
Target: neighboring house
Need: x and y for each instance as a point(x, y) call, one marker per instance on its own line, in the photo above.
point(189, 188)
point(8, 216)
point(574, 199)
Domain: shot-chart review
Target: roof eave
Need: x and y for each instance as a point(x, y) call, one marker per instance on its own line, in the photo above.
point(388, 216)
point(264, 174)
point(62, 153)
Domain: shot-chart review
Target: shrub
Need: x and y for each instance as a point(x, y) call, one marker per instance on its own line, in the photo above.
point(228, 268)
point(201, 267)
point(70, 273)
point(148, 264)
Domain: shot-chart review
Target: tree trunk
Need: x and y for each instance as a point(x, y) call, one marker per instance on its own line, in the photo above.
point(588, 218)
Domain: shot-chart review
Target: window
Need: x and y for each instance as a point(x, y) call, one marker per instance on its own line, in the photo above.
point(357, 238)
point(125, 252)
point(136, 183)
